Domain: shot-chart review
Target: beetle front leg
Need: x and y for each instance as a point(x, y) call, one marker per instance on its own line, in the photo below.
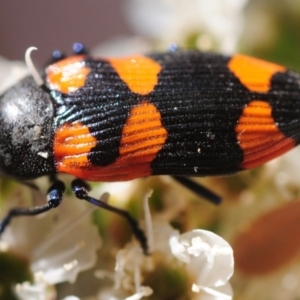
point(81, 188)
point(54, 198)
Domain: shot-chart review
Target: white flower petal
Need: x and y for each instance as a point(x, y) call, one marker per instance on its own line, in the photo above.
point(209, 257)
point(178, 249)
point(173, 20)
point(70, 254)
point(122, 46)
point(223, 292)
point(35, 291)
point(144, 291)
point(163, 232)
point(11, 73)
point(60, 244)
point(110, 294)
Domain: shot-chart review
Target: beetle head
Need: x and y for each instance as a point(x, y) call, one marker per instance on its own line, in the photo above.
point(26, 117)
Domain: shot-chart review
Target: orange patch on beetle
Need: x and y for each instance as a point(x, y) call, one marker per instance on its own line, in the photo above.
point(143, 136)
point(140, 73)
point(67, 75)
point(72, 144)
point(269, 242)
point(254, 73)
point(258, 135)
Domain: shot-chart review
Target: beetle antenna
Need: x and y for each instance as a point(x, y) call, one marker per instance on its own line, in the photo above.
point(33, 71)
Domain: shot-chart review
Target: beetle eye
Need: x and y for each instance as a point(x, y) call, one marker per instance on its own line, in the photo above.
point(79, 49)
point(57, 55)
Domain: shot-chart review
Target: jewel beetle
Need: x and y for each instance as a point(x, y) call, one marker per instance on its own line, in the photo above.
point(179, 113)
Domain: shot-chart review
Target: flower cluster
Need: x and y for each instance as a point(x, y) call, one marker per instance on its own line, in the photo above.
point(63, 243)
point(197, 263)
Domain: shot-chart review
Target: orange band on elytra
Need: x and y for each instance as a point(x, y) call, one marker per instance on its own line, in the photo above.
point(140, 73)
point(254, 73)
point(258, 135)
point(67, 75)
point(73, 143)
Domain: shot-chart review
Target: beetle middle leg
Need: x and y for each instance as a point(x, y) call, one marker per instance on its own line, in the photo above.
point(81, 188)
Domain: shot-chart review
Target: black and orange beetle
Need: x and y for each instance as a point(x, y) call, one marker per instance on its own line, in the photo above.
point(179, 113)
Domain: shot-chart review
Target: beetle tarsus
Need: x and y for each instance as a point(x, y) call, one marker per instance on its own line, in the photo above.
point(80, 189)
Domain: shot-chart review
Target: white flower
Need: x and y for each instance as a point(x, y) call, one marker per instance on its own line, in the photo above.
point(172, 21)
point(58, 244)
point(10, 73)
point(204, 259)
point(36, 291)
point(122, 46)
point(209, 258)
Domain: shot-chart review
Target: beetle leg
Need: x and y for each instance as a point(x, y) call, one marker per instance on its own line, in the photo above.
point(54, 198)
point(199, 189)
point(81, 188)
